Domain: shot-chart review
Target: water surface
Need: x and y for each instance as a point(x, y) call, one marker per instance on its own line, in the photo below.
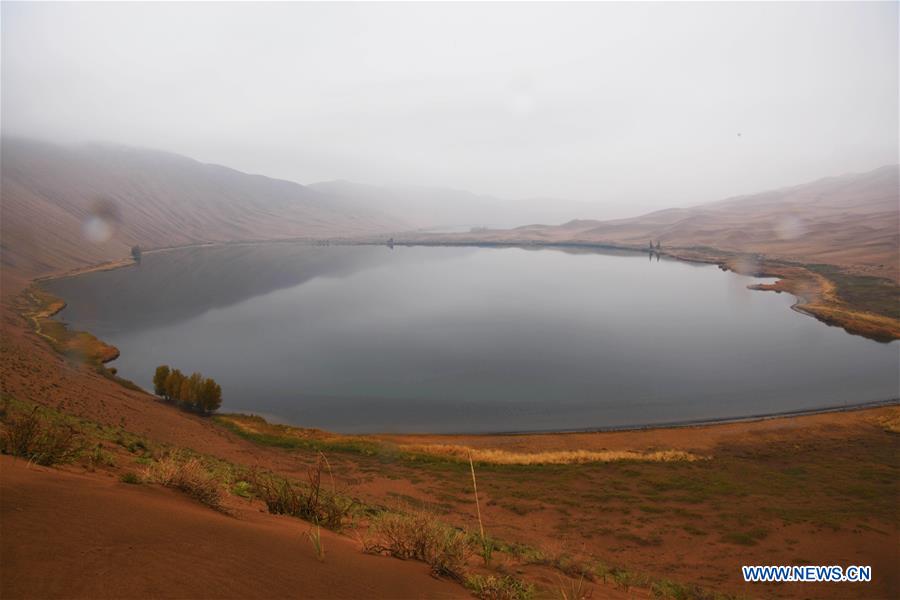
point(366, 338)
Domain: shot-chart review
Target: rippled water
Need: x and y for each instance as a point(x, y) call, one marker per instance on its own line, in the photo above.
point(365, 338)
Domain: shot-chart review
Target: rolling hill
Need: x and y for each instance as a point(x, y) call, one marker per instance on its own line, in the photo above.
point(849, 221)
point(68, 206)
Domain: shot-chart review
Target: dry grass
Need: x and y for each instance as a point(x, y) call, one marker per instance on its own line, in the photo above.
point(493, 587)
point(420, 536)
point(553, 457)
point(284, 436)
point(39, 440)
point(315, 538)
point(188, 476)
point(311, 502)
point(40, 307)
point(891, 422)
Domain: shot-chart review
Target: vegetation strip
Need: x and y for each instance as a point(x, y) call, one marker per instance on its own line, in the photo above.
point(259, 430)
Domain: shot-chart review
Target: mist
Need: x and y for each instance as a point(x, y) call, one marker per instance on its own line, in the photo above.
point(626, 107)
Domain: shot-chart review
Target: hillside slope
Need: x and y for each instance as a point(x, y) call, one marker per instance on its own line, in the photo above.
point(852, 221)
point(67, 206)
point(114, 540)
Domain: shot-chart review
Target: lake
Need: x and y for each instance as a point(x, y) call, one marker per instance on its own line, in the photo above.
point(466, 339)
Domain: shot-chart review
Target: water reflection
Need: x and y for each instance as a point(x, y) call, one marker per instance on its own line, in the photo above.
point(374, 338)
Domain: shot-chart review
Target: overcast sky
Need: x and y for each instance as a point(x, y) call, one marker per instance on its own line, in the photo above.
point(635, 106)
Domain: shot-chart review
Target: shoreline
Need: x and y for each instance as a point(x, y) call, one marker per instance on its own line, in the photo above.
point(667, 425)
point(799, 305)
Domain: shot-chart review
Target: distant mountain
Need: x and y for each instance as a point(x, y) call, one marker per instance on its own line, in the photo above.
point(852, 220)
point(447, 209)
point(67, 206)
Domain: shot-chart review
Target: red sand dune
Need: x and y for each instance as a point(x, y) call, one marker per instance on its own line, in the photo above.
point(96, 530)
point(54, 197)
point(851, 221)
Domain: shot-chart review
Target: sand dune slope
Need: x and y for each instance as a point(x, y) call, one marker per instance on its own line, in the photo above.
point(851, 221)
point(67, 206)
point(82, 536)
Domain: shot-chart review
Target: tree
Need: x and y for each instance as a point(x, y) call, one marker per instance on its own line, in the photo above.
point(194, 392)
point(159, 380)
point(173, 385)
point(211, 396)
point(136, 253)
point(193, 397)
point(184, 393)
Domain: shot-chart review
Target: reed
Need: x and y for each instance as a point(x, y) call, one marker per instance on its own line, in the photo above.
point(487, 547)
point(315, 538)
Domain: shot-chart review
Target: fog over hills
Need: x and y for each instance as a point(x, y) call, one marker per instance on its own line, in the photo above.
point(68, 206)
point(65, 206)
point(850, 220)
point(433, 207)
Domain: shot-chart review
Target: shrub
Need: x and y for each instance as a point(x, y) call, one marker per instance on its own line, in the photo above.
point(310, 502)
point(243, 489)
point(493, 587)
point(574, 589)
point(188, 476)
point(132, 478)
point(420, 536)
point(40, 441)
point(100, 457)
point(671, 590)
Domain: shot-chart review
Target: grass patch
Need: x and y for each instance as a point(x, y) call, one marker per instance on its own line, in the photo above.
point(559, 457)
point(493, 587)
point(130, 477)
point(693, 530)
point(670, 590)
point(39, 438)
point(186, 475)
point(865, 292)
point(420, 536)
point(311, 501)
point(257, 429)
point(79, 346)
point(745, 538)
point(315, 538)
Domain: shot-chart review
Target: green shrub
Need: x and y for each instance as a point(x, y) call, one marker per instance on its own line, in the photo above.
point(100, 457)
point(243, 489)
point(132, 478)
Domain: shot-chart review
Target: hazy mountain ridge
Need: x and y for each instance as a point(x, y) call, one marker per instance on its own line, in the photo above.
point(434, 207)
point(851, 220)
point(54, 196)
point(66, 206)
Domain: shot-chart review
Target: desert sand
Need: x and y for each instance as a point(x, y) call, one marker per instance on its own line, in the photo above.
point(816, 489)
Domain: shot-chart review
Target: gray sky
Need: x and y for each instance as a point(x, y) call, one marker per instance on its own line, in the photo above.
point(635, 106)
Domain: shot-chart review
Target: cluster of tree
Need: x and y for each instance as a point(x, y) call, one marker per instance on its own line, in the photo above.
point(194, 391)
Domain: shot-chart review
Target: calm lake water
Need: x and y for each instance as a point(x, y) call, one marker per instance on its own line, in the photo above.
point(368, 339)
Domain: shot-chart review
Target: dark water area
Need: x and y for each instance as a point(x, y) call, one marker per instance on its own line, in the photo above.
point(464, 339)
